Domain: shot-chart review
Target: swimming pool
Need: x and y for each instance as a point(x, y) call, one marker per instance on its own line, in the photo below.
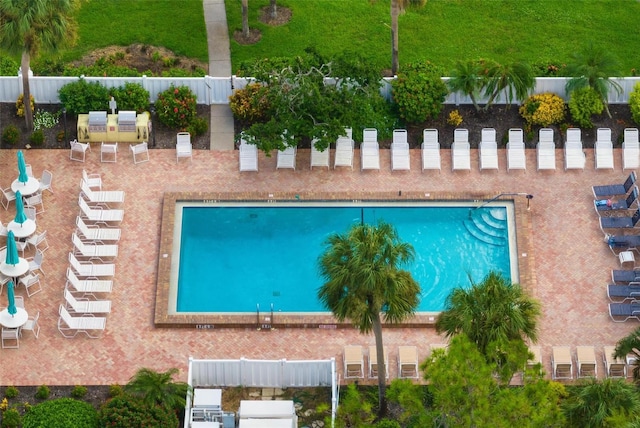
point(238, 257)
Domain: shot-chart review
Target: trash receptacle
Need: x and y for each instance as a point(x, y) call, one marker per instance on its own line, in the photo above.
point(228, 420)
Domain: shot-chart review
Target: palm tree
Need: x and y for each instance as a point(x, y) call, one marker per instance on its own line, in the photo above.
point(273, 9)
point(396, 7)
point(158, 388)
point(245, 19)
point(467, 78)
point(34, 26)
point(491, 312)
point(630, 345)
point(363, 279)
point(593, 67)
point(517, 78)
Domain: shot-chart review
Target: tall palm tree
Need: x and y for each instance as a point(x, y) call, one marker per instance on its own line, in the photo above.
point(363, 280)
point(245, 18)
point(158, 388)
point(593, 67)
point(396, 7)
point(493, 311)
point(630, 344)
point(273, 9)
point(28, 27)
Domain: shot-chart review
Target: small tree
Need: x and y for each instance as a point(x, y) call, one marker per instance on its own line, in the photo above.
point(158, 388)
point(516, 78)
point(630, 344)
point(584, 103)
point(467, 77)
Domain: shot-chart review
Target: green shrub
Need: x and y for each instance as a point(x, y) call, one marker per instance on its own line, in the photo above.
point(10, 135)
point(8, 67)
point(115, 390)
point(37, 137)
point(543, 109)
point(11, 392)
point(47, 67)
point(131, 96)
point(387, 423)
point(83, 97)
point(584, 103)
point(176, 107)
point(61, 413)
point(103, 69)
point(42, 393)
point(634, 103)
point(250, 104)
point(419, 92)
point(198, 126)
point(125, 411)
point(79, 391)
point(45, 120)
point(11, 418)
point(549, 69)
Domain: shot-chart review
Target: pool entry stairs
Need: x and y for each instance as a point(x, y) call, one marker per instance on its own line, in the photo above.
point(488, 225)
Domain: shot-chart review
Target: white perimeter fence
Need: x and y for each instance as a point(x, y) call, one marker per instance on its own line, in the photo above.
point(216, 90)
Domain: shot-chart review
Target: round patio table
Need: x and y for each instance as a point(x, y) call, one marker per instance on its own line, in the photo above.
point(26, 189)
point(23, 230)
point(15, 271)
point(17, 320)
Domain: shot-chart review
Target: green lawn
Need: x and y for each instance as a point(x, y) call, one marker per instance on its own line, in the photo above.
point(445, 31)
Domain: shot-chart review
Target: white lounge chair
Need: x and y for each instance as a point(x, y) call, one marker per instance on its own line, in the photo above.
point(630, 149)
point(370, 135)
point(94, 181)
point(537, 358)
point(460, 150)
point(604, 149)
point(353, 362)
point(613, 367)
point(488, 149)
point(344, 152)
point(561, 363)
point(84, 305)
point(101, 196)
point(184, 149)
point(140, 152)
point(370, 154)
point(574, 157)
point(248, 156)
point(407, 362)
point(546, 149)
point(88, 285)
point(92, 251)
point(287, 158)
point(95, 233)
point(587, 365)
point(430, 150)
point(97, 214)
point(373, 362)
point(319, 158)
point(69, 326)
point(400, 155)
point(516, 157)
point(90, 269)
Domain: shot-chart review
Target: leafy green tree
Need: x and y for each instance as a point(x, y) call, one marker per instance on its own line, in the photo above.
point(82, 96)
point(516, 78)
point(396, 7)
point(495, 315)
point(354, 410)
point(419, 92)
point(593, 67)
point(413, 399)
point(364, 279)
point(594, 402)
point(630, 344)
point(61, 413)
point(34, 26)
point(467, 77)
point(158, 388)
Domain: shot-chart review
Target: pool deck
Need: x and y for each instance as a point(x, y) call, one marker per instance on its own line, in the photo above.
point(570, 262)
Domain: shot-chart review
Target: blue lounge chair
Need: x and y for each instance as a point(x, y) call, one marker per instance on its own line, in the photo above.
point(618, 311)
point(620, 293)
point(607, 206)
point(623, 242)
point(624, 276)
point(620, 222)
point(615, 189)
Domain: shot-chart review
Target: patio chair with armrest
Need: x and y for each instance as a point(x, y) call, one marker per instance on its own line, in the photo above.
point(35, 262)
point(373, 362)
point(7, 196)
point(32, 325)
point(140, 152)
point(31, 283)
point(79, 151)
point(46, 181)
point(94, 181)
point(10, 338)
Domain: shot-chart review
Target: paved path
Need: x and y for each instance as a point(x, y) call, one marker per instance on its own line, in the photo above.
point(215, 18)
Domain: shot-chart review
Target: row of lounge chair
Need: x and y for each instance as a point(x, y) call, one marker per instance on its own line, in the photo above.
point(574, 157)
point(586, 366)
point(91, 264)
point(407, 357)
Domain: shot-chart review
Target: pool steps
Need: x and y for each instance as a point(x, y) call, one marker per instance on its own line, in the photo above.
point(488, 226)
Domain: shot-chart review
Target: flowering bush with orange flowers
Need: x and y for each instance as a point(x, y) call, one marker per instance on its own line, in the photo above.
point(543, 109)
point(176, 107)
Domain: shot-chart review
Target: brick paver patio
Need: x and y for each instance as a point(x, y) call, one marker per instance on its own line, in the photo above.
point(571, 262)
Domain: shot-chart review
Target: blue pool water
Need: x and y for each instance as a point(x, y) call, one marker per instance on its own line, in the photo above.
point(234, 258)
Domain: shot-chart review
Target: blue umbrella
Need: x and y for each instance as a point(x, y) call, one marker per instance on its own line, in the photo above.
point(12, 251)
point(22, 168)
point(21, 217)
point(12, 300)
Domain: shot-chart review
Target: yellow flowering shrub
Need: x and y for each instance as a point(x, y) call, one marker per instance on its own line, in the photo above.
point(543, 109)
point(455, 118)
point(20, 105)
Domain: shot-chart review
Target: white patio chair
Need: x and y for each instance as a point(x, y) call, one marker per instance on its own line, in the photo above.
point(287, 158)
point(630, 149)
point(184, 149)
point(488, 149)
point(45, 181)
point(408, 362)
point(10, 338)
point(604, 149)
point(140, 152)
point(31, 283)
point(248, 156)
point(587, 365)
point(373, 362)
point(91, 269)
point(32, 325)
point(89, 286)
point(546, 149)
point(574, 157)
point(101, 196)
point(460, 150)
point(35, 262)
point(95, 233)
point(353, 362)
point(39, 241)
point(94, 181)
point(79, 150)
point(400, 154)
point(7, 196)
point(30, 212)
point(35, 201)
point(344, 152)
point(69, 326)
point(97, 214)
point(561, 363)
point(108, 152)
point(516, 157)
point(319, 158)
point(430, 150)
point(83, 305)
point(92, 251)
point(3, 229)
point(19, 302)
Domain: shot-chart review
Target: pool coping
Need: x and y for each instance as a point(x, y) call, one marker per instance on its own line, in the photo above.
point(265, 320)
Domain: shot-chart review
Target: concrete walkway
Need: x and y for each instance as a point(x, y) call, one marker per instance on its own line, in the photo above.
point(215, 17)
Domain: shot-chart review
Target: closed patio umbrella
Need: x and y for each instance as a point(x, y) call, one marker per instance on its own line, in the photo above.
point(12, 299)
point(22, 168)
point(12, 250)
point(21, 217)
